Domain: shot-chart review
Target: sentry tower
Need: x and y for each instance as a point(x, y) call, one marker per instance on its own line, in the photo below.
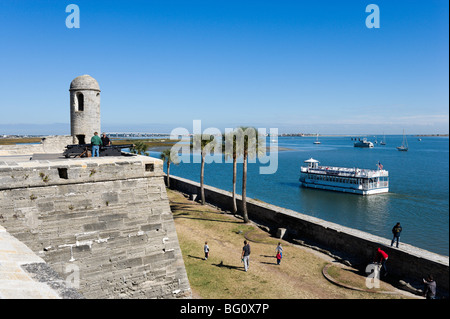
point(84, 109)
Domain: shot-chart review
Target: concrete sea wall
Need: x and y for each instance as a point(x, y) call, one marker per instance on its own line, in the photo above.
point(104, 222)
point(407, 262)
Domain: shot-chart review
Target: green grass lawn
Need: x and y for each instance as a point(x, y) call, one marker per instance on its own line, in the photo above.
point(222, 276)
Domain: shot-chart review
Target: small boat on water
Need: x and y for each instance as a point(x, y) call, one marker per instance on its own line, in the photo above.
point(383, 142)
point(404, 146)
point(363, 144)
point(317, 139)
point(342, 179)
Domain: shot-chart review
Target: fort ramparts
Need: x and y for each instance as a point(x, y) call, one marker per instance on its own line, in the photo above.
point(109, 218)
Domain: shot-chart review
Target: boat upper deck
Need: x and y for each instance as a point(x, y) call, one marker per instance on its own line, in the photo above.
point(345, 172)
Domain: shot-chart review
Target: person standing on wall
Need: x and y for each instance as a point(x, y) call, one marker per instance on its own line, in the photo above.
point(396, 232)
point(96, 142)
point(105, 140)
point(245, 256)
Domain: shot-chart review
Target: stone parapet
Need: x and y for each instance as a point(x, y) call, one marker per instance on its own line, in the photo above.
point(38, 173)
point(48, 144)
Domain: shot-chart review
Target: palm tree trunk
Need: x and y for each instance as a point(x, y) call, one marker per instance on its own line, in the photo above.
point(168, 174)
point(202, 171)
point(234, 183)
point(244, 189)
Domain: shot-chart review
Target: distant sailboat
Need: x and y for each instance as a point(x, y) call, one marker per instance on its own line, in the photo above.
point(383, 142)
point(404, 146)
point(317, 140)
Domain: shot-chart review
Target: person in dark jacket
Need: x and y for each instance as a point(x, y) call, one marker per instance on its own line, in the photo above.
point(105, 140)
point(245, 256)
point(396, 232)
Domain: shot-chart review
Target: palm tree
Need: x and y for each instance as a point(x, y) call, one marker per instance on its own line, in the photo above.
point(230, 139)
point(170, 157)
point(249, 145)
point(140, 148)
point(202, 142)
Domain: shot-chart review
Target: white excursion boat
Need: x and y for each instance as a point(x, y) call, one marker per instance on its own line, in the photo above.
point(341, 179)
point(364, 144)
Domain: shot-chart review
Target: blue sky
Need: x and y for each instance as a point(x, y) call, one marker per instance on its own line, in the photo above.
point(300, 66)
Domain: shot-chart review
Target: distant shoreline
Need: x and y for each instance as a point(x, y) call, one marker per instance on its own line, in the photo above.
point(433, 135)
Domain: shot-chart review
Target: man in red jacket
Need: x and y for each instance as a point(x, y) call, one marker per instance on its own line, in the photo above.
point(381, 258)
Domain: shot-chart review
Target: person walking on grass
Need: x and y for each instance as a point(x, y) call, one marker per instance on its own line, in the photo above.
point(206, 250)
point(245, 256)
point(279, 252)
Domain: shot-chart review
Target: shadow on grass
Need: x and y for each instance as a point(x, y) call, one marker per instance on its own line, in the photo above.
point(196, 257)
point(268, 263)
point(177, 216)
point(222, 265)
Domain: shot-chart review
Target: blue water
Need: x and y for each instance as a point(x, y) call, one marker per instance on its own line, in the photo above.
point(418, 197)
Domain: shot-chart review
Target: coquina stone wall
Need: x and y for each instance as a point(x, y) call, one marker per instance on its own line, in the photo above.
point(103, 223)
point(408, 262)
point(48, 144)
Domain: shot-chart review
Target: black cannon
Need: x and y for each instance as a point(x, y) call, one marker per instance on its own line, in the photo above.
point(83, 150)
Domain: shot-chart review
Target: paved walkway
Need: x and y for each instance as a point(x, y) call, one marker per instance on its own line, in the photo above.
point(15, 282)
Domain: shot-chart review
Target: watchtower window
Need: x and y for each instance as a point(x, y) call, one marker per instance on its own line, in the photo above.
point(80, 102)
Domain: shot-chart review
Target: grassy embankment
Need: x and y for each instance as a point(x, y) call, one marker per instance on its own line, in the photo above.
point(222, 276)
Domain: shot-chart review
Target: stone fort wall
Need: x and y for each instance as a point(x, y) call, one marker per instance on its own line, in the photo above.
point(48, 144)
point(105, 222)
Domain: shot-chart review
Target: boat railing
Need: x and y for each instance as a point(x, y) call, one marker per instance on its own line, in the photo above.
point(345, 172)
point(376, 185)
